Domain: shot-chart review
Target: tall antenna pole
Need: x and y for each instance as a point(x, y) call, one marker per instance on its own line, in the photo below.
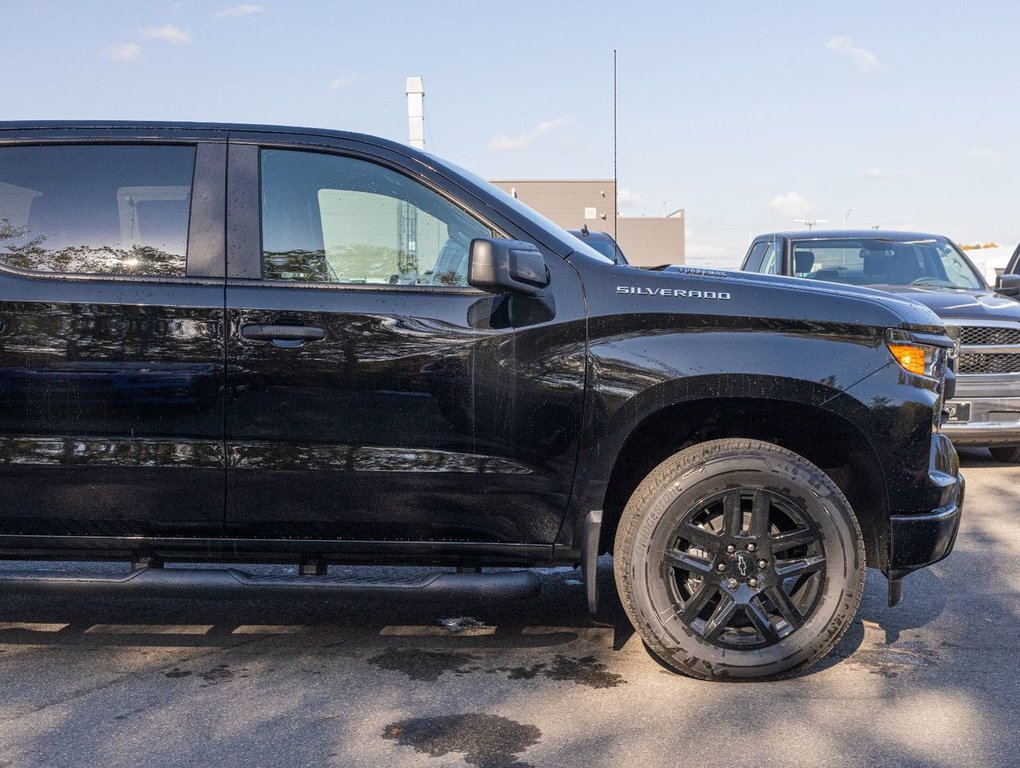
point(616, 192)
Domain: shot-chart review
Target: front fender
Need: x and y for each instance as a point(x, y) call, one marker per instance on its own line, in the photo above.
point(635, 375)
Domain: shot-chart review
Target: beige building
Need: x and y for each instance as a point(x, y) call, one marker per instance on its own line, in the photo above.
point(646, 240)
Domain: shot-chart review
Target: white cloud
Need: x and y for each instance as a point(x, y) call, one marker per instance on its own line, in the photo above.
point(875, 173)
point(167, 33)
point(343, 83)
point(236, 11)
point(125, 52)
point(791, 205)
point(628, 198)
point(504, 143)
point(864, 59)
point(983, 153)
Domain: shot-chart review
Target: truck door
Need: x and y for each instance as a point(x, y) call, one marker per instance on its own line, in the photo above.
point(372, 394)
point(111, 347)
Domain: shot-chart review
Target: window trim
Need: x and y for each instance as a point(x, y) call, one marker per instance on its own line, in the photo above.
point(244, 217)
point(205, 169)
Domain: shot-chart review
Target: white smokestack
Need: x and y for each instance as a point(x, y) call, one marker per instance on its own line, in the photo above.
point(416, 112)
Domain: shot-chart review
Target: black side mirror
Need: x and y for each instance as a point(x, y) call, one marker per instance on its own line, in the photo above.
point(1008, 285)
point(507, 266)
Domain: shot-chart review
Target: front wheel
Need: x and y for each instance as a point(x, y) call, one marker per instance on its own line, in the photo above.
point(739, 559)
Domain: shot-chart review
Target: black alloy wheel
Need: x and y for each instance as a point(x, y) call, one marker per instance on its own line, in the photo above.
point(744, 567)
point(739, 559)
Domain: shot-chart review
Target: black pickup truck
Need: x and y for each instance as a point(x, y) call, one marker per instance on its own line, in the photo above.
point(229, 344)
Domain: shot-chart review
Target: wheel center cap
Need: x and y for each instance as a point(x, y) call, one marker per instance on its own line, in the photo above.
point(741, 565)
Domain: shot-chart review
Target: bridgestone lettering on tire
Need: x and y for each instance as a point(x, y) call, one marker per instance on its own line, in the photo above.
point(739, 559)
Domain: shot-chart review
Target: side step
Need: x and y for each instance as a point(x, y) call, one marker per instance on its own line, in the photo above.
point(229, 582)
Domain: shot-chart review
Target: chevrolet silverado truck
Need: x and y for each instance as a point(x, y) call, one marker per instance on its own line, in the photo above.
point(230, 344)
point(932, 270)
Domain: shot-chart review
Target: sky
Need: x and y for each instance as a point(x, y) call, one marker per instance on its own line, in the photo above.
point(748, 115)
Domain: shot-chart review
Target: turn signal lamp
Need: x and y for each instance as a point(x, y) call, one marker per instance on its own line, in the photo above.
point(910, 356)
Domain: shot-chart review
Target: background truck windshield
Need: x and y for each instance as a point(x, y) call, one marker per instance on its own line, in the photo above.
point(877, 261)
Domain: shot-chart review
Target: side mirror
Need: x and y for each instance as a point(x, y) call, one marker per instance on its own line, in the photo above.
point(507, 266)
point(1008, 285)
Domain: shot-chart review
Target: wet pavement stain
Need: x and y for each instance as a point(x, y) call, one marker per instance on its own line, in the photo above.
point(221, 673)
point(177, 672)
point(487, 741)
point(890, 661)
point(427, 666)
point(586, 670)
point(520, 673)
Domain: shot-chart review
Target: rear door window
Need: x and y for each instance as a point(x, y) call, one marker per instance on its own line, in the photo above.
point(93, 209)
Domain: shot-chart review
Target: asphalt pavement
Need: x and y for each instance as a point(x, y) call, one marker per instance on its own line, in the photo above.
point(256, 682)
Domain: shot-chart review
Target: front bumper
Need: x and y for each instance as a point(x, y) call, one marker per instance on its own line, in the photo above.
point(920, 539)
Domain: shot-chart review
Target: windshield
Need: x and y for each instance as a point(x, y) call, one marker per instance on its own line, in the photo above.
point(528, 213)
point(932, 262)
point(606, 248)
point(601, 242)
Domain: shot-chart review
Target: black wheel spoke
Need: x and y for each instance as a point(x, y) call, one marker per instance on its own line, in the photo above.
point(676, 558)
point(733, 517)
point(760, 509)
point(791, 539)
point(756, 613)
point(800, 566)
point(692, 606)
point(699, 537)
point(790, 612)
point(720, 617)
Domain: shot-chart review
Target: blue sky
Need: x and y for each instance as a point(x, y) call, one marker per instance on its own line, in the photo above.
point(748, 115)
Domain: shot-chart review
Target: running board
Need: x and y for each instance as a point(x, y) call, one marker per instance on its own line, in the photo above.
point(229, 582)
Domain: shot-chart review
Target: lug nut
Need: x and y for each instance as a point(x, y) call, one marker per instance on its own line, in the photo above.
point(732, 583)
point(751, 547)
point(730, 548)
point(752, 583)
point(721, 567)
point(762, 564)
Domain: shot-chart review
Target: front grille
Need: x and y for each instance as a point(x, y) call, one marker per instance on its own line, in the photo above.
point(975, 334)
point(971, 363)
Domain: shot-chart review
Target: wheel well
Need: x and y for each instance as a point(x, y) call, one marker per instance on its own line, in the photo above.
point(823, 438)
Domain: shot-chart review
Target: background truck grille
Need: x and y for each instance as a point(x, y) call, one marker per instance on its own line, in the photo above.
point(971, 363)
point(974, 334)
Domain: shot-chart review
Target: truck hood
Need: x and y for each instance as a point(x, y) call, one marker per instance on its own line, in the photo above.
point(960, 304)
point(792, 298)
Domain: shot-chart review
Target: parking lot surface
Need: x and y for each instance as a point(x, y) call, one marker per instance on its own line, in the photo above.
point(121, 682)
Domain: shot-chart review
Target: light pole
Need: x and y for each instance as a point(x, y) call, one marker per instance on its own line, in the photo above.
point(847, 216)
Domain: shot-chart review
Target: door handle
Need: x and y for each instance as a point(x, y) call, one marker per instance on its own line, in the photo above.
point(295, 334)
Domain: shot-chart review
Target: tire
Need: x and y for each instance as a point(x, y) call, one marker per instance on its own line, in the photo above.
point(738, 559)
point(1007, 455)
